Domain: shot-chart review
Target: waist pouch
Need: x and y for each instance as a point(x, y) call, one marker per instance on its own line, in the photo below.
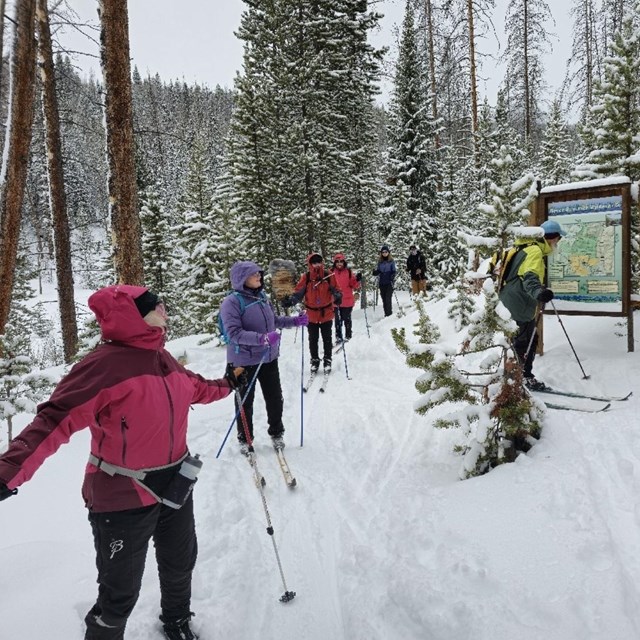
point(160, 482)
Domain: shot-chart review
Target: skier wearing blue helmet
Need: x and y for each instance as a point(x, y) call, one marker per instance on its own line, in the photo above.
point(523, 289)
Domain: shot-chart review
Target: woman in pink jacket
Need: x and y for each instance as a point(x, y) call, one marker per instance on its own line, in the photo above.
point(135, 398)
point(347, 282)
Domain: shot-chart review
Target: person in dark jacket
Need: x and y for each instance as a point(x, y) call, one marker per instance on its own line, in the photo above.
point(523, 290)
point(417, 267)
point(135, 399)
point(254, 344)
point(386, 272)
point(320, 293)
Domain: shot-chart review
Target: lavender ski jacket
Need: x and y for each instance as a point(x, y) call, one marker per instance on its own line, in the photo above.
point(247, 329)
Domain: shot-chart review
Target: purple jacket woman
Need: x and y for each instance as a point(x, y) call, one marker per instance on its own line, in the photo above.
point(250, 323)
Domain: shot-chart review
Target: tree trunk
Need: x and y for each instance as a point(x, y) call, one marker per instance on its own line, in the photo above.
point(2, 8)
point(57, 196)
point(474, 81)
point(17, 143)
point(123, 196)
point(525, 54)
point(432, 67)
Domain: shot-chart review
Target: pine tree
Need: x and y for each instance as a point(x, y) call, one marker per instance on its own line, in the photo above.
point(156, 240)
point(614, 122)
point(527, 42)
point(411, 156)
point(197, 263)
point(21, 387)
point(555, 163)
point(302, 147)
point(583, 67)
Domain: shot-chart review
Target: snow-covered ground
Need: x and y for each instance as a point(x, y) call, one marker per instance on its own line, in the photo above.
point(380, 540)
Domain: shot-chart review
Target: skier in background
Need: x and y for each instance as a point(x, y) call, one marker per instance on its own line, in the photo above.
point(319, 292)
point(254, 344)
point(347, 282)
point(386, 272)
point(417, 266)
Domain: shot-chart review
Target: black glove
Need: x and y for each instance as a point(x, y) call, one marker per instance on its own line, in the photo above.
point(5, 492)
point(545, 296)
point(287, 302)
point(358, 276)
point(375, 272)
point(236, 376)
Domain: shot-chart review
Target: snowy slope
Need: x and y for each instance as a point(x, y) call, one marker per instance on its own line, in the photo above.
point(380, 540)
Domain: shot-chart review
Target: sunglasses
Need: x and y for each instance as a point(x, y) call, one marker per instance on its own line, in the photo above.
point(384, 252)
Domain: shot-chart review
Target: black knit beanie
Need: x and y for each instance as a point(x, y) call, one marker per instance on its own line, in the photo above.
point(146, 303)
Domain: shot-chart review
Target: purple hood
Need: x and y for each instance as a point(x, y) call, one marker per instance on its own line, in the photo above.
point(240, 271)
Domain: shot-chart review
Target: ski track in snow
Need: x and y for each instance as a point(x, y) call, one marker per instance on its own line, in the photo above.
point(379, 540)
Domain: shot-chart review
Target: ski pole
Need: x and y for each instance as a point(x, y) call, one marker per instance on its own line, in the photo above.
point(302, 388)
point(344, 344)
point(366, 321)
point(584, 375)
point(287, 596)
point(400, 309)
point(241, 404)
point(533, 334)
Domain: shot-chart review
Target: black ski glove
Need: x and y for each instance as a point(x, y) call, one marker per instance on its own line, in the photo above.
point(5, 492)
point(358, 276)
point(375, 272)
point(545, 296)
point(236, 376)
point(287, 302)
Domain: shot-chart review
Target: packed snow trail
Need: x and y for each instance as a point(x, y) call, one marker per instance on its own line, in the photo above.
point(379, 539)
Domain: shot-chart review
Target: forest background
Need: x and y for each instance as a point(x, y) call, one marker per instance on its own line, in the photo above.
point(300, 155)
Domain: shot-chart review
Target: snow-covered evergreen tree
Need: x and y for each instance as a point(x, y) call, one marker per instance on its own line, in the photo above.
point(195, 255)
point(302, 152)
point(157, 243)
point(611, 133)
point(412, 160)
point(497, 416)
point(556, 161)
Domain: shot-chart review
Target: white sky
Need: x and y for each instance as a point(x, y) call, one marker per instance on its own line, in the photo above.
point(194, 40)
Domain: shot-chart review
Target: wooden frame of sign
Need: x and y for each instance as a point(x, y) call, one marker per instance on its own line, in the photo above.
point(597, 217)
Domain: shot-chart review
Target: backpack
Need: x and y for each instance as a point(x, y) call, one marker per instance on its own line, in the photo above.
point(500, 265)
point(224, 336)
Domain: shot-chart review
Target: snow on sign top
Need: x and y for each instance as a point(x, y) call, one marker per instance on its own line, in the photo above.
point(587, 184)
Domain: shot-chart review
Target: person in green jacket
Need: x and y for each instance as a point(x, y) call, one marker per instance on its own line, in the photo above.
point(524, 289)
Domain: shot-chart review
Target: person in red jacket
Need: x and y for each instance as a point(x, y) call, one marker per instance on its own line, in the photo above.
point(320, 293)
point(135, 399)
point(347, 282)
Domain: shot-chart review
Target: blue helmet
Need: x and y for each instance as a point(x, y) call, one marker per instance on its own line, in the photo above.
point(551, 227)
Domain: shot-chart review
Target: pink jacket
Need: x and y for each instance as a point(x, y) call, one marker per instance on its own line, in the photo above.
point(131, 393)
point(347, 282)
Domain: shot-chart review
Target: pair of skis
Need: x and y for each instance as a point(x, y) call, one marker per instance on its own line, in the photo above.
point(313, 376)
point(589, 403)
point(282, 463)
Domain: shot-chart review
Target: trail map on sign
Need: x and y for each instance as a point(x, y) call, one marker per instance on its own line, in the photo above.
point(587, 264)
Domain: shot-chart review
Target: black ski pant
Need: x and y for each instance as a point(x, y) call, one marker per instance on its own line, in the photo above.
point(386, 293)
point(343, 316)
point(121, 539)
point(315, 329)
point(521, 344)
point(269, 379)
